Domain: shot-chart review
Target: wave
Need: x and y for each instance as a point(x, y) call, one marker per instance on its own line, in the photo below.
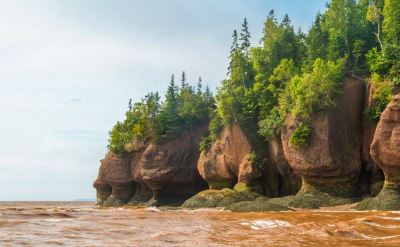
point(265, 224)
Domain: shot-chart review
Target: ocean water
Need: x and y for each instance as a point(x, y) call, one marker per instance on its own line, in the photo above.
point(83, 224)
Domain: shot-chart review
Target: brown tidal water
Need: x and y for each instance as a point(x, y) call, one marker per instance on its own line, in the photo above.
point(82, 224)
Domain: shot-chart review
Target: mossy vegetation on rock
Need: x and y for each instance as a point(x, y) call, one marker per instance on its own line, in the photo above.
point(387, 199)
point(113, 201)
point(260, 204)
point(321, 193)
point(219, 198)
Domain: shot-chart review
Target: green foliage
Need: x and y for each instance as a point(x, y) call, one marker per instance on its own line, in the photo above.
point(182, 109)
point(290, 73)
point(138, 125)
point(391, 34)
point(300, 135)
point(256, 159)
point(271, 125)
point(381, 97)
point(315, 91)
point(205, 143)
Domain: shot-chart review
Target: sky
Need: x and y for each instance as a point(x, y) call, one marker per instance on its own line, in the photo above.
point(69, 67)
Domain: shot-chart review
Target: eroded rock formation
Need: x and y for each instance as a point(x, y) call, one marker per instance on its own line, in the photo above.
point(289, 181)
point(170, 170)
point(385, 150)
point(114, 183)
point(230, 160)
point(153, 174)
point(331, 161)
point(344, 157)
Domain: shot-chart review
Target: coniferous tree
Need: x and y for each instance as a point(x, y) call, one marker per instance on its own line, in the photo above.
point(168, 117)
point(245, 37)
point(317, 40)
point(234, 51)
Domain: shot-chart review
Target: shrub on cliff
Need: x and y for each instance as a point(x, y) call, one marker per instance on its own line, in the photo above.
point(381, 96)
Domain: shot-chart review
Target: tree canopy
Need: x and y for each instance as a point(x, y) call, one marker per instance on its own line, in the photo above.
point(290, 72)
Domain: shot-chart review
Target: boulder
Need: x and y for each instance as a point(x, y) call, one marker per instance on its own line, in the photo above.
point(330, 163)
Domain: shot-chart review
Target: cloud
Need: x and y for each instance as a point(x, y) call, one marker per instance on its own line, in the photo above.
point(69, 67)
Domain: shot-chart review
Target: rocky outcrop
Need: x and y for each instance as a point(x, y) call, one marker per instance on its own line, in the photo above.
point(344, 157)
point(153, 174)
point(232, 159)
point(114, 183)
point(237, 171)
point(169, 169)
point(385, 149)
point(331, 161)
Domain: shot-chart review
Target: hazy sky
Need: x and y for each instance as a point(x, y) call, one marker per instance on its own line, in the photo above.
point(68, 68)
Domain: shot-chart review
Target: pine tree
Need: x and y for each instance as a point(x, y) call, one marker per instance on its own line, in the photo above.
point(130, 105)
point(316, 41)
point(233, 52)
point(199, 87)
point(168, 117)
point(184, 84)
point(245, 38)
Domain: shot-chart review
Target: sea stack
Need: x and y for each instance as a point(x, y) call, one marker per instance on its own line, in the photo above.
point(385, 150)
point(330, 163)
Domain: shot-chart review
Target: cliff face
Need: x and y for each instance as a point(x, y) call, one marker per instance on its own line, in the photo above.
point(289, 182)
point(371, 175)
point(332, 158)
point(344, 156)
point(385, 149)
point(230, 160)
point(169, 169)
point(155, 173)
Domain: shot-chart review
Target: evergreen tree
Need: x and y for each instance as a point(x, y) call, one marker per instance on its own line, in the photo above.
point(184, 84)
point(245, 38)
point(168, 117)
point(130, 104)
point(234, 52)
point(316, 40)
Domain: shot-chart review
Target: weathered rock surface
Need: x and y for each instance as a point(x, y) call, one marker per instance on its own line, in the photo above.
point(170, 170)
point(114, 183)
point(153, 174)
point(385, 150)
point(289, 182)
point(371, 175)
point(344, 157)
point(331, 161)
point(229, 161)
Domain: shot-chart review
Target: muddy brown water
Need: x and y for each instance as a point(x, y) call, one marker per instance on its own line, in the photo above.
point(82, 224)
